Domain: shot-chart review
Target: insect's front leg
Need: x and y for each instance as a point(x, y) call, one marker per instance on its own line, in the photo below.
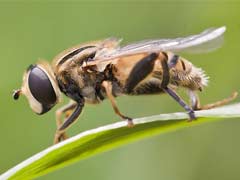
point(195, 102)
point(76, 109)
point(107, 85)
point(66, 111)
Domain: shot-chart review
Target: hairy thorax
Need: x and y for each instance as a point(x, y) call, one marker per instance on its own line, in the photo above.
point(76, 79)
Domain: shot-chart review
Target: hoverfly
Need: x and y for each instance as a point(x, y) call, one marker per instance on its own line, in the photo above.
point(92, 72)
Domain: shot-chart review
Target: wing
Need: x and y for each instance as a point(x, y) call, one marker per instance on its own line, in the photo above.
point(211, 38)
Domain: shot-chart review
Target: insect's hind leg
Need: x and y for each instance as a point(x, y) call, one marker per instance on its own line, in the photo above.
point(172, 93)
point(145, 67)
point(195, 102)
point(180, 101)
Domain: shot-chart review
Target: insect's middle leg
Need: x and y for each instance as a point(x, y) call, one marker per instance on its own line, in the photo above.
point(66, 111)
point(195, 102)
point(108, 88)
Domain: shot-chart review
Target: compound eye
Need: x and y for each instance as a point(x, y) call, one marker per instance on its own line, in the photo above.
point(41, 88)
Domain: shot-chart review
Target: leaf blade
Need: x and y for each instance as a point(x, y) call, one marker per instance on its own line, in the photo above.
point(105, 138)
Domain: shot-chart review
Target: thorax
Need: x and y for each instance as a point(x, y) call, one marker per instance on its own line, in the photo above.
point(75, 80)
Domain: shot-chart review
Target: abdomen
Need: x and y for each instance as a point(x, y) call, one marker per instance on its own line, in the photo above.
point(183, 74)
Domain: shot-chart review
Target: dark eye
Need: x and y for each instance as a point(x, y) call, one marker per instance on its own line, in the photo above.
point(41, 87)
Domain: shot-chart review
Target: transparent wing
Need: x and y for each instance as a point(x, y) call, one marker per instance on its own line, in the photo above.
point(208, 40)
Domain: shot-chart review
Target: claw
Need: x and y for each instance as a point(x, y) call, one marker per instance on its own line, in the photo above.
point(192, 116)
point(60, 136)
point(130, 123)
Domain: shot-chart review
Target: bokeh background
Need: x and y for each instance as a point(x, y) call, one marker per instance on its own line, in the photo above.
point(40, 29)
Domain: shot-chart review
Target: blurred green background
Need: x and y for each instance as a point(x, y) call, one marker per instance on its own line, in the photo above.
point(33, 30)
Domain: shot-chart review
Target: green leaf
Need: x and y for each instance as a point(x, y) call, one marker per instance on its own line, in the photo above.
point(102, 139)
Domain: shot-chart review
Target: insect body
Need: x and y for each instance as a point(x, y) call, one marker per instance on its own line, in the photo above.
point(92, 72)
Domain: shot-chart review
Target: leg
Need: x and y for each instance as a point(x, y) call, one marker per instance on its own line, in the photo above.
point(108, 88)
point(181, 102)
point(145, 67)
point(169, 91)
point(195, 102)
point(59, 135)
point(66, 110)
point(166, 66)
point(166, 75)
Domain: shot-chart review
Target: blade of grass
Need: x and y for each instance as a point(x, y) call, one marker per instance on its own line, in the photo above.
point(102, 139)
